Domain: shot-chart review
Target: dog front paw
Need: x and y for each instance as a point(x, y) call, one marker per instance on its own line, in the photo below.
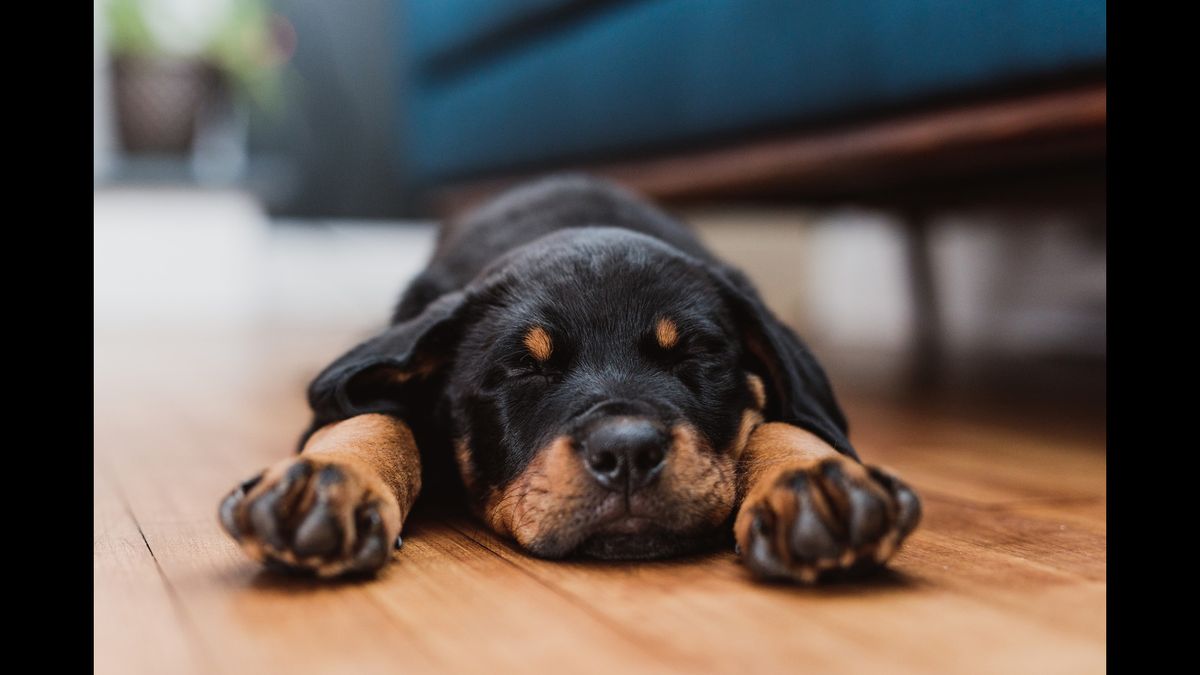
point(834, 515)
point(316, 515)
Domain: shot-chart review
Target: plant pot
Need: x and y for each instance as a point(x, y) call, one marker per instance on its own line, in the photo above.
point(160, 100)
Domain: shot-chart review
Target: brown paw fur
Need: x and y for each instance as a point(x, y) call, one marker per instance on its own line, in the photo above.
point(829, 518)
point(314, 515)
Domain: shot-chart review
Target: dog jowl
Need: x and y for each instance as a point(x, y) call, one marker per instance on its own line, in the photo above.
point(603, 385)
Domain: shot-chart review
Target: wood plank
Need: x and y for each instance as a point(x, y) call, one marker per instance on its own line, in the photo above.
point(1007, 572)
point(453, 593)
point(444, 592)
point(984, 463)
point(1026, 563)
point(247, 621)
point(136, 626)
point(707, 615)
point(978, 562)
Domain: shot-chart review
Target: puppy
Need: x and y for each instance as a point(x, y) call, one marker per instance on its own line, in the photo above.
point(598, 384)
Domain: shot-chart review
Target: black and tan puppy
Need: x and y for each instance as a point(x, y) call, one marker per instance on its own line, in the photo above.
point(602, 386)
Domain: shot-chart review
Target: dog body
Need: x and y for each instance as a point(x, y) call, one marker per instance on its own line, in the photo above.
point(601, 385)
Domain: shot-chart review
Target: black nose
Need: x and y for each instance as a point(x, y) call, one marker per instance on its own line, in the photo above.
point(625, 453)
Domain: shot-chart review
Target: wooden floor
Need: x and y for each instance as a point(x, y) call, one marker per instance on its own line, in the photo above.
point(1005, 575)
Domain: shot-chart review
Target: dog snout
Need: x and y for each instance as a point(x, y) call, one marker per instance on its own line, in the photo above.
point(625, 453)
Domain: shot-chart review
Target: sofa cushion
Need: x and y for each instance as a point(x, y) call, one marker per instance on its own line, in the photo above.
point(660, 73)
point(441, 30)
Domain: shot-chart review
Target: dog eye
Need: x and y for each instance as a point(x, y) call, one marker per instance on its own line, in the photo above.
point(702, 353)
point(678, 356)
point(689, 349)
point(689, 357)
point(531, 370)
point(549, 376)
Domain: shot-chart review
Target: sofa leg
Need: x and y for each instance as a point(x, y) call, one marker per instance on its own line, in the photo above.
point(927, 351)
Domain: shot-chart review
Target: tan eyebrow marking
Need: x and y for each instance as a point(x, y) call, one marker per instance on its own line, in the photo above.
point(667, 333)
point(538, 342)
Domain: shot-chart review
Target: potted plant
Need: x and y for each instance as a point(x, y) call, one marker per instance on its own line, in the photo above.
point(174, 59)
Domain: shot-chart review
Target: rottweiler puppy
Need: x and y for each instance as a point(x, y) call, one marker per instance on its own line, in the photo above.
point(597, 384)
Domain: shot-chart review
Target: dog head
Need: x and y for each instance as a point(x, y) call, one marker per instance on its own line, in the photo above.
point(601, 386)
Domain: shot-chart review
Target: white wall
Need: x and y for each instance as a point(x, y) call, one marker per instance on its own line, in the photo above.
point(1014, 284)
point(168, 258)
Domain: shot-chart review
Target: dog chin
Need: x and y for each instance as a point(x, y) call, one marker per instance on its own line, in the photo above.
point(632, 547)
point(637, 541)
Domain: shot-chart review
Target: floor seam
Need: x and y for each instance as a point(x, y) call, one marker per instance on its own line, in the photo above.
point(189, 625)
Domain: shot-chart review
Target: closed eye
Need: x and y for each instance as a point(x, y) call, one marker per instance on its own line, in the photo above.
point(690, 348)
point(530, 368)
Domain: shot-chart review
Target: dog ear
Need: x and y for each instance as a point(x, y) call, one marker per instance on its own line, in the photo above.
point(378, 375)
point(798, 392)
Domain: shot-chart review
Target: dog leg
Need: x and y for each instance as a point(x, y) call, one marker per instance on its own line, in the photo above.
point(336, 508)
point(808, 510)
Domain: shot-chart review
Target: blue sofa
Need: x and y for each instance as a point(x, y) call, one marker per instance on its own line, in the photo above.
point(495, 86)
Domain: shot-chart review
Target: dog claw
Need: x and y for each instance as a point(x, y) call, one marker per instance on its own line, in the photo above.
point(373, 552)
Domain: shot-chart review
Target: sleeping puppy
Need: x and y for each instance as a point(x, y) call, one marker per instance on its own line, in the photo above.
point(599, 385)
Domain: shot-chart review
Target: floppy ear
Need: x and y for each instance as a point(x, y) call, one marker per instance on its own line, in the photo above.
point(378, 375)
point(798, 392)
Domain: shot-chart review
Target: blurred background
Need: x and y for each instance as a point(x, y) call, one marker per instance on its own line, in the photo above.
point(918, 187)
